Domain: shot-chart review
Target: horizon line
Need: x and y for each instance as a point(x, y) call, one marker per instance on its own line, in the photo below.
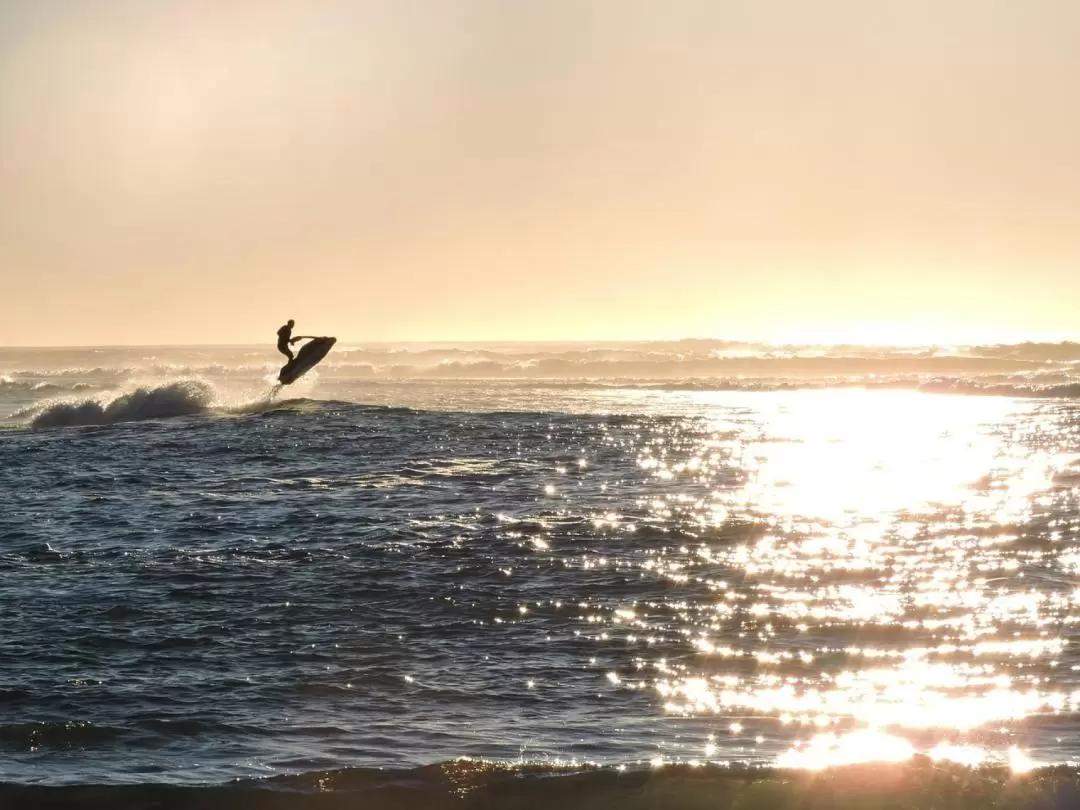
point(551, 341)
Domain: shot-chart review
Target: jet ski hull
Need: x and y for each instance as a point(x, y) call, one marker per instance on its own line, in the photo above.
point(306, 359)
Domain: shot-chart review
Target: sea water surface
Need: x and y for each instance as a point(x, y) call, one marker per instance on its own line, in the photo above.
point(390, 566)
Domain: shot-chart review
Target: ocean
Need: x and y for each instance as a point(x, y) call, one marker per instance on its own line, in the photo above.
point(427, 568)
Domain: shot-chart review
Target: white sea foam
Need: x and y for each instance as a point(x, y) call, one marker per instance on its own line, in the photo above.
point(177, 398)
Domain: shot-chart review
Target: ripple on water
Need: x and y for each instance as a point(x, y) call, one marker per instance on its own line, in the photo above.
point(805, 579)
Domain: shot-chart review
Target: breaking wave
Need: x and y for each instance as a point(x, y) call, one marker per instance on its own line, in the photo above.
point(178, 398)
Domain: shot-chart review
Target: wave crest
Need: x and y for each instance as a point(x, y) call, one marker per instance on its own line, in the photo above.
point(178, 398)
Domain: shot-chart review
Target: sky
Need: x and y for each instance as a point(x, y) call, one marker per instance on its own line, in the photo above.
point(858, 170)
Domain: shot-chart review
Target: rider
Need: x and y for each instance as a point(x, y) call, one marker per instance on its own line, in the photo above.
point(284, 338)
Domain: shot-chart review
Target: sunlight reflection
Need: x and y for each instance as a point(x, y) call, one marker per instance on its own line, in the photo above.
point(830, 750)
point(864, 558)
point(970, 755)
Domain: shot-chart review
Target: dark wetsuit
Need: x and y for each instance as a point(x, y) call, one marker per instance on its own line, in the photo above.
point(283, 336)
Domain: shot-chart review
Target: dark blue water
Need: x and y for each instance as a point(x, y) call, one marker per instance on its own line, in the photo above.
point(312, 585)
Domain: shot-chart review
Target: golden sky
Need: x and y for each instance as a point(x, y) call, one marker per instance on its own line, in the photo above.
point(199, 171)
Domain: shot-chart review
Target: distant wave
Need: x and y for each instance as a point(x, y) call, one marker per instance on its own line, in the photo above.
point(473, 785)
point(977, 388)
point(1025, 370)
point(142, 369)
point(944, 385)
point(11, 385)
point(653, 361)
point(178, 398)
point(668, 367)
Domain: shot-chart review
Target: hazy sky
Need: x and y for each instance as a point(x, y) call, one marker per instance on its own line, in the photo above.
point(187, 171)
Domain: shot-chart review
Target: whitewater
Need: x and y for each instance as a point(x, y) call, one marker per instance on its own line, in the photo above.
point(445, 573)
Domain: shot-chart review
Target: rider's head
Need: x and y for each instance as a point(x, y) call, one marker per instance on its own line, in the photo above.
point(291, 323)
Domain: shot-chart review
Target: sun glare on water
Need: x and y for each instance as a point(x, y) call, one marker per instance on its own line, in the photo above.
point(865, 554)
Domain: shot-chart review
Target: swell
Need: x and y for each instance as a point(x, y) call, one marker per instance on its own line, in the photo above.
point(477, 785)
